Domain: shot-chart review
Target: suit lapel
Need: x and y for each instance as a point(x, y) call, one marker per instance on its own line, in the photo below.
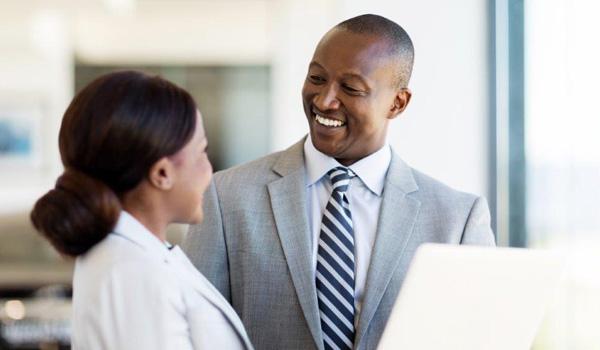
point(289, 203)
point(396, 220)
point(209, 292)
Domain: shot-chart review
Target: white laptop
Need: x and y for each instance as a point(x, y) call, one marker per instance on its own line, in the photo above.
point(472, 298)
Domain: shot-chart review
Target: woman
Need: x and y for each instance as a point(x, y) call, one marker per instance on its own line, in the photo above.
point(133, 147)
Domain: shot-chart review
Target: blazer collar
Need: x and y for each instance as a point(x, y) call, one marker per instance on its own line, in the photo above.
point(401, 175)
point(189, 273)
point(290, 160)
point(131, 229)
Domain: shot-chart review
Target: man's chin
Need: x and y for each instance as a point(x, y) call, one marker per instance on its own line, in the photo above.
point(325, 147)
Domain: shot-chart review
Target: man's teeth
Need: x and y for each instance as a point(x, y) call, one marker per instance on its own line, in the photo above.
point(328, 122)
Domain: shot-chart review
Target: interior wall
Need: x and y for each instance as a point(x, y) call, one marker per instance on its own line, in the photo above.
point(36, 66)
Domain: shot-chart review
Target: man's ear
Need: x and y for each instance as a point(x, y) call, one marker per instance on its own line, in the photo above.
point(161, 174)
point(401, 100)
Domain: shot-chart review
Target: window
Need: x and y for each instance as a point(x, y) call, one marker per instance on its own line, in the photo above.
point(548, 128)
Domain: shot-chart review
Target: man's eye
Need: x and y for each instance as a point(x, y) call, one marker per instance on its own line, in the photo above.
point(316, 79)
point(351, 89)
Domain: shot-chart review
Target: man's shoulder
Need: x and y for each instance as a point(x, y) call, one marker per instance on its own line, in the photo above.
point(263, 170)
point(256, 170)
point(431, 185)
point(449, 210)
point(434, 193)
point(422, 186)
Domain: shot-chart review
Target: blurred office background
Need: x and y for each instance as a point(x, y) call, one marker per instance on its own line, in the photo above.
point(504, 104)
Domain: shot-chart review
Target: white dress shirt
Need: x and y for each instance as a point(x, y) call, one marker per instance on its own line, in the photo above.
point(132, 292)
point(364, 195)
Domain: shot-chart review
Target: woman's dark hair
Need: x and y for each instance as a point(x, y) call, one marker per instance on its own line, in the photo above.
point(112, 133)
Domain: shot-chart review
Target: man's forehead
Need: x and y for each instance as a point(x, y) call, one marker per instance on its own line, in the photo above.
point(339, 36)
point(362, 51)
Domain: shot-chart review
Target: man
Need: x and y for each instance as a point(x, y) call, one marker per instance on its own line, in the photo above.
point(311, 245)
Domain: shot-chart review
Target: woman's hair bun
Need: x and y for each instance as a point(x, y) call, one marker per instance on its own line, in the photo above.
point(78, 213)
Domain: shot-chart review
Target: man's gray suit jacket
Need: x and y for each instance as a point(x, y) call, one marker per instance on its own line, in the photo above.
point(255, 244)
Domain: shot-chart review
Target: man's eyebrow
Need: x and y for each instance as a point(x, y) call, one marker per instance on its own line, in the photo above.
point(349, 75)
point(353, 75)
point(315, 64)
point(357, 77)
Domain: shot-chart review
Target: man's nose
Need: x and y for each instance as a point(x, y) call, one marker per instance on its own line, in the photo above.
point(327, 98)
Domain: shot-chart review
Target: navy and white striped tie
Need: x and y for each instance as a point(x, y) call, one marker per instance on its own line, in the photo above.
point(335, 265)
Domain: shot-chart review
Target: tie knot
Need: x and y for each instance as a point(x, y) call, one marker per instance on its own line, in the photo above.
point(340, 178)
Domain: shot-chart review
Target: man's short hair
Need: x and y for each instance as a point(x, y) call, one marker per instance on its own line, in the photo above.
point(400, 44)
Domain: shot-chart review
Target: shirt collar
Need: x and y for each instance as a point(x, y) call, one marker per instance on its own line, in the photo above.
point(130, 228)
point(371, 170)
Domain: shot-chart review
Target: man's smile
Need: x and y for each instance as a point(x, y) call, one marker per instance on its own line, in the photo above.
point(327, 121)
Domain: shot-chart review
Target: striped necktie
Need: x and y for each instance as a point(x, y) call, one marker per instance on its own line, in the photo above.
point(335, 265)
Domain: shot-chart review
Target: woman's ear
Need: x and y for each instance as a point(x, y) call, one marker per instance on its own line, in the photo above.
point(161, 174)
